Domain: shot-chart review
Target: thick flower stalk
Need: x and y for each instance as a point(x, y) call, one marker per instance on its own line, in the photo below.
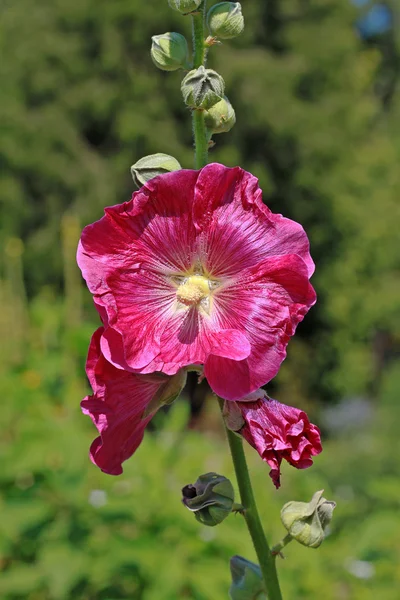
point(196, 270)
point(196, 273)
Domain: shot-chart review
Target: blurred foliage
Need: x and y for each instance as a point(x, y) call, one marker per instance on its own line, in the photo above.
point(319, 124)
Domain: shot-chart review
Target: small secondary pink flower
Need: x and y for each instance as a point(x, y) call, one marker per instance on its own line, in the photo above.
point(116, 408)
point(195, 269)
point(276, 431)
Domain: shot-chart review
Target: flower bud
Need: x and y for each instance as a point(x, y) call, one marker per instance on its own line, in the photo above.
point(225, 20)
point(202, 88)
point(210, 498)
point(185, 6)
point(306, 521)
point(221, 117)
point(169, 51)
point(247, 581)
point(150, 166)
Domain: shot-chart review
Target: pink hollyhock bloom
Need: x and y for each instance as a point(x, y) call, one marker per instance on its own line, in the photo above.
point(195, 269)
point(117, 408)
point(275, 430)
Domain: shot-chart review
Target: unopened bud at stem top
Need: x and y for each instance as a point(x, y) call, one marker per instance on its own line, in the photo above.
point(225, 20)
point(185, 6)
point(169, 51)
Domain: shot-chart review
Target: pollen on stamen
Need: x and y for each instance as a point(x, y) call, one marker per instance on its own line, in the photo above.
point(193, 290)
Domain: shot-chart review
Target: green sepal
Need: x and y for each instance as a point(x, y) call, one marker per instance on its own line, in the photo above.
point(168, 392)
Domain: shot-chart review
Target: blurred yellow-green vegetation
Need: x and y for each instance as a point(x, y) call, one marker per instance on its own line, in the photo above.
point(318, 113)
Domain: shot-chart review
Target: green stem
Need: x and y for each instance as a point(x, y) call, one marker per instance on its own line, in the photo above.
point(199, 55)
point(198, 37)
point(263, 551)
point(280, 546)
point(200, 139)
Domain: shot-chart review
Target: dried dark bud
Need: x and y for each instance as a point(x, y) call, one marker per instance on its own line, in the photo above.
point(210, 498)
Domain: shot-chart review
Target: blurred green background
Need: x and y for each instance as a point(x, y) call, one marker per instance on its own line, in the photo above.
point(315, 87)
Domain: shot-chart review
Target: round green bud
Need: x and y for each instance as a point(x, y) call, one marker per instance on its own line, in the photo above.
point(210, 498)
point(185, 6)
point(225, 20)
point(150, 166)
point(221, 117)
point(306, 521)
point(169, 51)
point(202, 88)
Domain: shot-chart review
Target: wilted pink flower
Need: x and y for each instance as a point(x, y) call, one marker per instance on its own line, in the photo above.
point(275, 430)
point(116, 408)
point(195, 269)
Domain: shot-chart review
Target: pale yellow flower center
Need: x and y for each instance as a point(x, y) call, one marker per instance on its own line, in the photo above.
point(193, 290)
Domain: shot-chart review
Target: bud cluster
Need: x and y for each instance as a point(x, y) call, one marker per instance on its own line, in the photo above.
point(202, 89)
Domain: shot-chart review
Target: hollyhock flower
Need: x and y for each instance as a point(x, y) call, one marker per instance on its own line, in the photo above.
point(275, 430)
point(121, 407)
point(195, 269)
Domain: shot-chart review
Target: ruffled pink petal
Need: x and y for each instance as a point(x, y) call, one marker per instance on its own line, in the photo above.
point(192, 339)
point(144, 306)
point(230, 343)
point(266, 303)
point(132, 283)
point(237, 230)
point(152, 235)
point(116, 408)
point(153, 231)
point(278, 432)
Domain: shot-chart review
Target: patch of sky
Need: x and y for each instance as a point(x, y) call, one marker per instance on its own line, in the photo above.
point(376, 21)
